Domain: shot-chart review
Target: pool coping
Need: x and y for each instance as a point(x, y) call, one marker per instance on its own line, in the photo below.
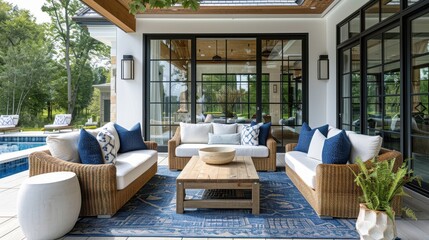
point(12, 156)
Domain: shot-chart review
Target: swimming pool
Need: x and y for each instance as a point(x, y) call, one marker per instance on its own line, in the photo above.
point(16, 144)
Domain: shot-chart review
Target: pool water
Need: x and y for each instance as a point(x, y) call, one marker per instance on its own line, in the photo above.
point(14, 147)
point(14, 144)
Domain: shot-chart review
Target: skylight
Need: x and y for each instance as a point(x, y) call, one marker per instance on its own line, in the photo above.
point(251, 2)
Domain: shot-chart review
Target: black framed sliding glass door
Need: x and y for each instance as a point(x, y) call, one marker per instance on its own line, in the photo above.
point(419, 97)
point(394, 68)
point(225, 79)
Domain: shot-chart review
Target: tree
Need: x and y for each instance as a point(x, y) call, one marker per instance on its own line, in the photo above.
point(26, 68)
point(142, 5)
point(75, 49)
point(25, 60)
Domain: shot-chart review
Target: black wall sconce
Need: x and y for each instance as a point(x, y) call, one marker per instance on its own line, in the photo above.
point(323, 67)
point(127, 67)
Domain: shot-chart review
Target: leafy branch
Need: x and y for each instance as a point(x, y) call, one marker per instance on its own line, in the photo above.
point(137, 6)
point(380, 183)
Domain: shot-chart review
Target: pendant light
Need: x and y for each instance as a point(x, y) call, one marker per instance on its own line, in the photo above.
point(216, 58)
point(266, 53)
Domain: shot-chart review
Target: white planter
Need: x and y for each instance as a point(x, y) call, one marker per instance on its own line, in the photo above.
point(374, 225)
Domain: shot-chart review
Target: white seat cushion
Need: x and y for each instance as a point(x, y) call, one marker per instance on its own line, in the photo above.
point(188, 150)
point(131, 165)
point(6, 126)
point(56, 125)
point(304, 166)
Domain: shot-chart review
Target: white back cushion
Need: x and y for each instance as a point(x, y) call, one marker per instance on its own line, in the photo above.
point(219, 128)
point(195, 133)
point(363, 146)
point(333, 131)
point(64, 146)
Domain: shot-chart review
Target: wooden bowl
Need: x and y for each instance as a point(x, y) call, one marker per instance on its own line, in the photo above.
point(217, 155)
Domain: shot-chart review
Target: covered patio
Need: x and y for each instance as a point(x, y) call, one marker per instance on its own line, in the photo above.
point(10, 229)
point(361, 66)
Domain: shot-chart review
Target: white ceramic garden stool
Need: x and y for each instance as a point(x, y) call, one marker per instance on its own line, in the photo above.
point(49, 205)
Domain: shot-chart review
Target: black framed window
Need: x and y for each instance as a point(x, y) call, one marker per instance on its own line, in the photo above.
point(351, 91)
point(383, 79)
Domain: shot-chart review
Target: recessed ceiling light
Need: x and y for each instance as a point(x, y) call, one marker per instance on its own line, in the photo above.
point(312, 8)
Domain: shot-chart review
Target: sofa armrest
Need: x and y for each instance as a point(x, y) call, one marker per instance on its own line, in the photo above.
point(97, 181)
point(272, 145)
point(339, 178)
point(173, 143)
point(151, 145)
point(290, 146)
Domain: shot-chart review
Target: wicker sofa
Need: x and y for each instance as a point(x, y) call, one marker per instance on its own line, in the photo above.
point(175, 162)
point(335, 194)
point(105, 188)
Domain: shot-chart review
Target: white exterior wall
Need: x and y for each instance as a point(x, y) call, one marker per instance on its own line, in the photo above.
point(322, 40)
point(129, 93)
point(343, 9)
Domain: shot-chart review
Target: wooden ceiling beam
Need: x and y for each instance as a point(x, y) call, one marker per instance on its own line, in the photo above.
point(115, 12)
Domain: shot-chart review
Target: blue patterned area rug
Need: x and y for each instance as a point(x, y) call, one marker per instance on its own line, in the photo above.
point(152, 212)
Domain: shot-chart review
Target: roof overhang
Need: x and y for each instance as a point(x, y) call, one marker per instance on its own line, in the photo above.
point(115, 12)
point(104, 87)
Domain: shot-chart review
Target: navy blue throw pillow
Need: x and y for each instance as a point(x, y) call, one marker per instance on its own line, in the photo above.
point(336, 149)
point(306, 135)
point(264, 131)
point(89, 149)
point(130, 140)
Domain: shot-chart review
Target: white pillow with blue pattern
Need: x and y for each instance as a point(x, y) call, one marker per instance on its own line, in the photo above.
point(107, 145)
point(250, 134)
point(6, 121)
point(60, 119)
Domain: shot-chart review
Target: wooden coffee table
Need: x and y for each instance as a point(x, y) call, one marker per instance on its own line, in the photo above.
point(239, 174)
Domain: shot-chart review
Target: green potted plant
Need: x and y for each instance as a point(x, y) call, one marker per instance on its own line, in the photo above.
point(380, 184)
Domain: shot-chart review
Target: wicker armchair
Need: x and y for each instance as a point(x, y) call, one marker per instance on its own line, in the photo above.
point(336, 194)
point(261, 164)
point(97, 182)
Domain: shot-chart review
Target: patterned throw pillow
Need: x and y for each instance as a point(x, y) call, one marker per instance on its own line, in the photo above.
point(107, 145)
point(60, 119)
point(6, 121)
point(264, 131)
point(249, 135)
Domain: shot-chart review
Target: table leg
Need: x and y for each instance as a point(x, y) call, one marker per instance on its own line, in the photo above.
point(180, 197)
point(255, 198)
